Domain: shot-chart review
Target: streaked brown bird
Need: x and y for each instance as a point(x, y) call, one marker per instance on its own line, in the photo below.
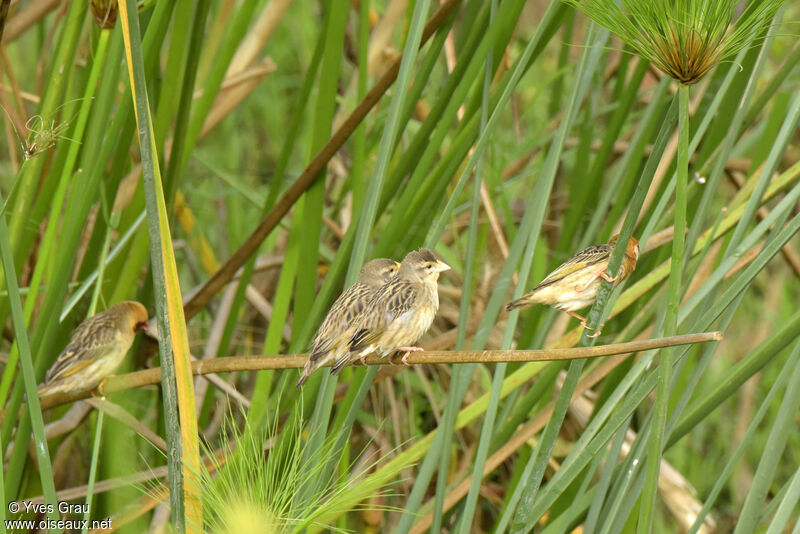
point(331, 340)
point(97, 347)
point(400, 312)
point(574, 284)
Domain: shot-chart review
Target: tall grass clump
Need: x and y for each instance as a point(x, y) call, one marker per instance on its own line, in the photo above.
point(254, 482)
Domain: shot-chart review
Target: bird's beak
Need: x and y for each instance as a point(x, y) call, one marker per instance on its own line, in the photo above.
point(151, 330)
point(441, 266)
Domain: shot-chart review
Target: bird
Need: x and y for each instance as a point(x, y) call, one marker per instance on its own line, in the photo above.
point(574, 284)
point(97, 347)
point(331, 340)
point(400, 312)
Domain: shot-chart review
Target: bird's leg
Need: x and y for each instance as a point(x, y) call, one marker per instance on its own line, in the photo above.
point(102, 384)
point(583, 323)
point(363, 359)
point(578, 317)
point(604, 276)
point(600, 273)
point(408, 350)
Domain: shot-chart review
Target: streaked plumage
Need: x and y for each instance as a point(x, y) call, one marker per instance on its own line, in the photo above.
point(400, 312)
point(97, 347)
point(574, 284)
point(331, 340)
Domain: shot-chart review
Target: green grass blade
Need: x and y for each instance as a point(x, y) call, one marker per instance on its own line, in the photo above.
point(369, 211)
point(527, 490)
point(183, 455)
point(462, 373)
point(787, 505)
point(741, 447)
point(28, 377)
point(735, 377)
point(307, 225)
point(653, 465)
point(751, 510)
point(187, 85)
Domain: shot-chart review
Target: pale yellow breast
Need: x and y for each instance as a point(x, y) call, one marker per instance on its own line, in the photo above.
point(407, 328)
point(565, 294)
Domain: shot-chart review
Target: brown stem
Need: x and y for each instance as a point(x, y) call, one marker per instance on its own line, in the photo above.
point(309, 175)
point(3, 16)
point(25, 18)
point(296, 361)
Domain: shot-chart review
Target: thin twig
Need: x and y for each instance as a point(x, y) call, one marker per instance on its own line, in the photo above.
point(296, 361)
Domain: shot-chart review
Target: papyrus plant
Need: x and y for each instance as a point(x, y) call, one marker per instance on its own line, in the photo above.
point(683, 38)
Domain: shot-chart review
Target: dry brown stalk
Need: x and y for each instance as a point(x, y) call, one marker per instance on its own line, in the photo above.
point(257, 37)
point(296, 361)
point(33, 13)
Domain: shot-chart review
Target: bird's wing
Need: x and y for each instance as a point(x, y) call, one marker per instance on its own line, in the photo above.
point(92, 340)
point(392, 300)
point(585, 258)
point(340, 317)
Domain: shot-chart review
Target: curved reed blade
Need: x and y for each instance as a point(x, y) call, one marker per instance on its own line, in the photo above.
point(183, 454)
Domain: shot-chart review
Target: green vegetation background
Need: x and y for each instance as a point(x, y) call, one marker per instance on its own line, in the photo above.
point(504, 174)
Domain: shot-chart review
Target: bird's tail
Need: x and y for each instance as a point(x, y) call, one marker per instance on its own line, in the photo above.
point(339, 355)
point(303, 376)
point(340, 364)
point(523, 302)
point(315, 360)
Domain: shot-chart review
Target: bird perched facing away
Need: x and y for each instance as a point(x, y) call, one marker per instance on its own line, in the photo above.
point(400, 312)
point(96, 348)
point(574, 284)
point(331, 340)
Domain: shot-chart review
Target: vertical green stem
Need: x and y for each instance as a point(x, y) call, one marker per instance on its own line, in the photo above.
point(28, 375)
point(369, 210)
point(465, 522)
point(113, 223)
point(463, 372)
point(670, 320)
point(93, 469)
point(2, 492)
point(307, 221)
point(360, 135)
point(179, 404)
